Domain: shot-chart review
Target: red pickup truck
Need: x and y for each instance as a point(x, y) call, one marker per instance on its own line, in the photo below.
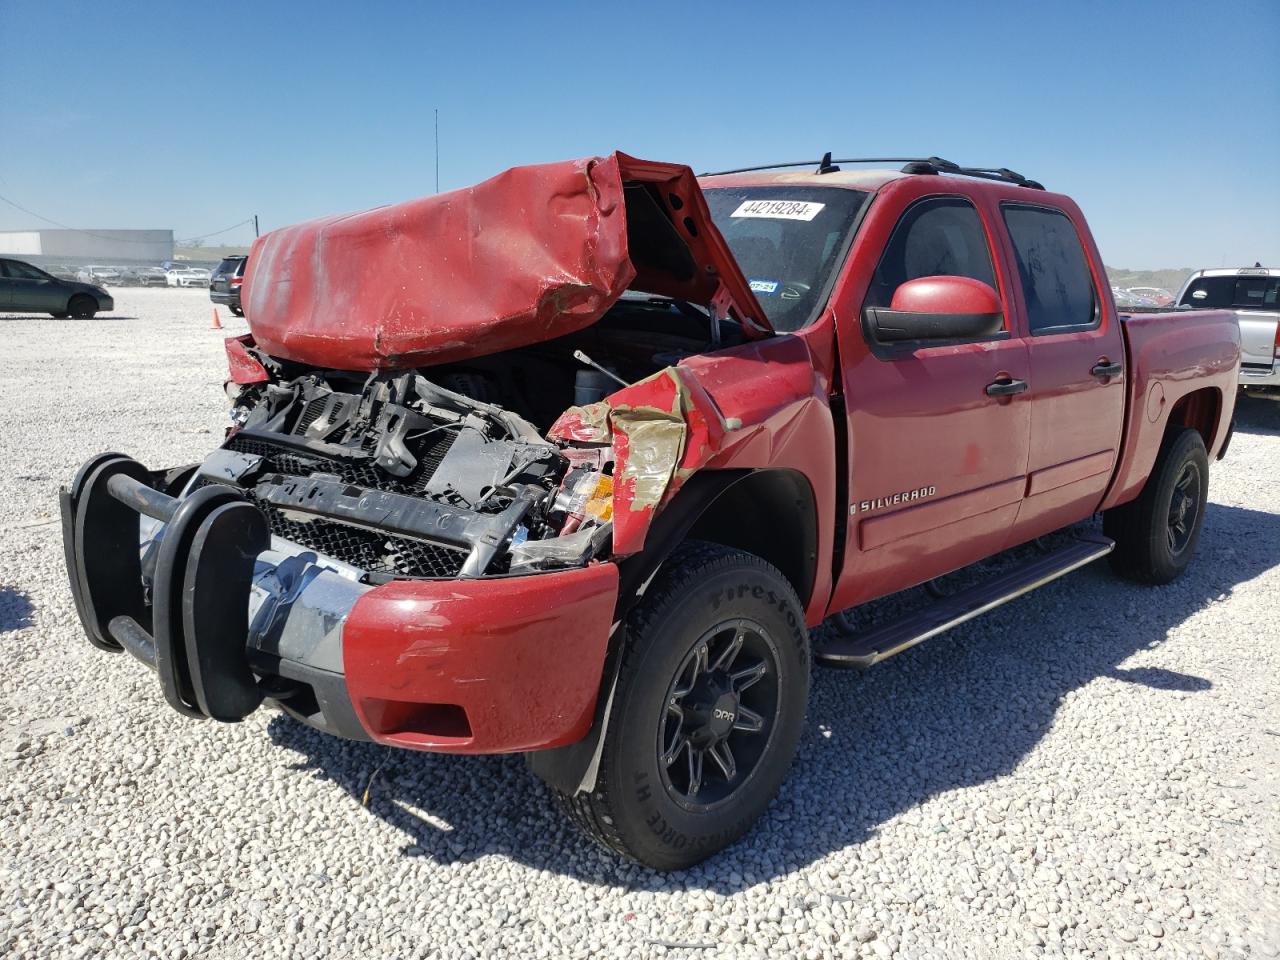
point(569, 463)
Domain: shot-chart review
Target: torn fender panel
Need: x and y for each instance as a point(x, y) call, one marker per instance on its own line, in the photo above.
point(531, 254)
point(662, 429)
point(758, 406)
point(241, 366)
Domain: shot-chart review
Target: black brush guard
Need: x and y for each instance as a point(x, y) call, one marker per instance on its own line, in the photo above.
point(191, 625)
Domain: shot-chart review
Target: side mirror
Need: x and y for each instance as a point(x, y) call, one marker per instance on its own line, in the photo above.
point(938, 308)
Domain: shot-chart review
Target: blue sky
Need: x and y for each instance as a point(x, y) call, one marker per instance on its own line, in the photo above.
point(1161, 119)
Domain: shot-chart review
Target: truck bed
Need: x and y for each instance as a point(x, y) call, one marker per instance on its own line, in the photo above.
point(1174, 359)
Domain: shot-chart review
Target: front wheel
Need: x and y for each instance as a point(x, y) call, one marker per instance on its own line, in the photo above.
point(1156, 534)
point(83, 307)
point(707, 713)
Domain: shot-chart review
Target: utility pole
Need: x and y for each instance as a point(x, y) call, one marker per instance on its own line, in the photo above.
point(437, 149)
point(255, 226)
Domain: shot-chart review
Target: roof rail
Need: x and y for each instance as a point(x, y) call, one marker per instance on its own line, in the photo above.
point(825, 165)
point(1003, 174)
point(916, 165)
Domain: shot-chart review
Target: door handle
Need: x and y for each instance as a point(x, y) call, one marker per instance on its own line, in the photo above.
point(1005, 387)
point(1103, 368)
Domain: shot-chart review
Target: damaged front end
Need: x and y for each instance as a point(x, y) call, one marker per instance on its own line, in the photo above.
point(408, 533)
point(401, 478)
point(382, 557)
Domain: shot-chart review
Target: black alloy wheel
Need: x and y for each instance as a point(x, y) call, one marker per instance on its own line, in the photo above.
point(1184, 508)
point(721, 709)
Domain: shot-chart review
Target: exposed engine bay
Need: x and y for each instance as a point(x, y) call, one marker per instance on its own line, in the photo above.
point(432, 472)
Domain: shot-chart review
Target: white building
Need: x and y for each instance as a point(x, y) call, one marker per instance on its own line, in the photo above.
point(89, 245)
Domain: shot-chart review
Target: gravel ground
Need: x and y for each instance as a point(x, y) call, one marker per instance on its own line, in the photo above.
point(1089, 771)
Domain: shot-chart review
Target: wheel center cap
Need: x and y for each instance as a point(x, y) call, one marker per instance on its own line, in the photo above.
point(724, 712)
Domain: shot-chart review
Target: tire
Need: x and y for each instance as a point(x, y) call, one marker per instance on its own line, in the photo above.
point(237, 310)
point(60, 315)
point(1156, 534)
point(82, 307)
point(717, 654)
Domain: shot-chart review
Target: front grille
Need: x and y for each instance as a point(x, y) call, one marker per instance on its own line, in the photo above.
point(370, 550)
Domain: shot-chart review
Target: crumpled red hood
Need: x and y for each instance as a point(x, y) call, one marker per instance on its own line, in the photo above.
point(533, 253)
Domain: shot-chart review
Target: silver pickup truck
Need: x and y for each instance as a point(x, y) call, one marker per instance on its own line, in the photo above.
point(1254, 294)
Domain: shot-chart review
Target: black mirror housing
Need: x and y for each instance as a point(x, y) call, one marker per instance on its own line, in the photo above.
point(898, 326)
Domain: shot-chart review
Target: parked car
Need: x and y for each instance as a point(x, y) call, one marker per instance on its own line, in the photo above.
point(148, 277)
point(225, 283)
point(24, 287)
point(582, 493)
point(61, 272)
point(99, 276)
point(186, 277)
point(1158, 296)
point(1253, 294)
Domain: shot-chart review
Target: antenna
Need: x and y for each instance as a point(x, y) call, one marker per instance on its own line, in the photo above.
point(437, 149)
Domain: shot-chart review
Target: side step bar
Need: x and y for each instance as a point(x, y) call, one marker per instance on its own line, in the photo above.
point(879, 643)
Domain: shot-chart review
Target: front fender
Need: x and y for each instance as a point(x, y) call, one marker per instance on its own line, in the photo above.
point(756, 406)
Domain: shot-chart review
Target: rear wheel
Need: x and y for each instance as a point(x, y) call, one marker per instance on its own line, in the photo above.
point(237, 309)
point(82, 307)
point(1156, 534)
point(707, 712)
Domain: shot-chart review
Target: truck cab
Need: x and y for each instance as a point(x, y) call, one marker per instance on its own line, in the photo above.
point(961, 443)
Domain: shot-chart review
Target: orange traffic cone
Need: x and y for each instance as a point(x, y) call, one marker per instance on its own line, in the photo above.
point(217, 323)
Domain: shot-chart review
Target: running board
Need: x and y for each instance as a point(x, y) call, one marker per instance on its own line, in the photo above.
point(879, 643)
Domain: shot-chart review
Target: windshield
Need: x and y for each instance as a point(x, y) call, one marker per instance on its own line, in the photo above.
point(788, 241)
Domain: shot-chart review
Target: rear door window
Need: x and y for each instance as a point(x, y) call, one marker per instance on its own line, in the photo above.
point(1057, 285)
point(1256, 293)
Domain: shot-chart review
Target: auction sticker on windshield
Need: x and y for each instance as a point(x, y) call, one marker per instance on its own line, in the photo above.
point(778, 209)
